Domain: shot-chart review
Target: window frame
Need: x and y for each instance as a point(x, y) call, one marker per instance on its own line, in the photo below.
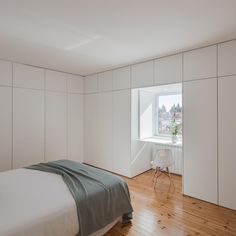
point(156, 117)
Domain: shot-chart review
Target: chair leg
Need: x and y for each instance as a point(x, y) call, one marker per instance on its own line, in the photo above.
point(154, 174)
point(169, 175)
point(156, 180)
point(159, 173)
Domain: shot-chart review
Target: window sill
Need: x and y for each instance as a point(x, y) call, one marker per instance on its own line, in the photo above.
point(163, 141)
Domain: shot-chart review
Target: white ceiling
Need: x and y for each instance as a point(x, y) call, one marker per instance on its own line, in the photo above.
point(88, 36)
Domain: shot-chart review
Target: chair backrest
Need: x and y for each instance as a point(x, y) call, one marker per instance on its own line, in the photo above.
point(163, 158)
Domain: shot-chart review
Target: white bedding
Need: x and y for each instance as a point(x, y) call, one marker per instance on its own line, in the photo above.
point(35, 203)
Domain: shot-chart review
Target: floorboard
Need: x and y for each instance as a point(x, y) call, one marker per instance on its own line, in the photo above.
point(165, 211)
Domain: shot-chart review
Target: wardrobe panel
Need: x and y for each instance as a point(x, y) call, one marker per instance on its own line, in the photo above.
point(142, 74)
point(200, 139)
point(168, 70)
point(91, 129)
point(227, 130)
point(105, 130)
point(91, 84)
point(28, 76)
point(5, 128)
point(56, 81)
point(5, 73)
point(28, 127)
point(75, 83)
point(75, 127)
point(121, 132)
point(56, 126)
point(200, 63)
point(121, 78)
point(227, 58)
point(105, 81)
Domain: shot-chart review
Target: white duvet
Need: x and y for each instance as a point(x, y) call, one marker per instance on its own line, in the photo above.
point(34, 203)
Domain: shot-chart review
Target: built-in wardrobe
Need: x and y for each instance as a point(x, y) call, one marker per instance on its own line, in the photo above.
point(111, 114)
point(208, 76)
point(209, 84)
point(41, 115)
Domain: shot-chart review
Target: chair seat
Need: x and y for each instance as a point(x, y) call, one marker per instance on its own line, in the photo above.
point(163, 165)
point(163, 159)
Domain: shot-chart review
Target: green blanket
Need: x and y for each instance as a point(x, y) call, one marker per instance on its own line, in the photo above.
point(100, 197)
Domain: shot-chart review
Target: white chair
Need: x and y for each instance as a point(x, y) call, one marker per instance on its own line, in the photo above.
point(162, 161)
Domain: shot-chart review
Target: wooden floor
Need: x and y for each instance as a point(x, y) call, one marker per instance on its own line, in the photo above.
point(165, 211)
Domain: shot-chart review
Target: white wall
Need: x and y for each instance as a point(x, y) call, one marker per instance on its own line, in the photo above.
point(41, 115)
point(146, 113)
point(141, 152)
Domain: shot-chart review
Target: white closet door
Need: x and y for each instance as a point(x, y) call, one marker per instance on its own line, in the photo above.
point(200, 63)
point(56, 126)
point(168, 70)
point(105, 81)
point(121, 132)
point(200, 139)
point(91, 84)
point(91, 129)
point(227, 131)
point(105, 131)
point(28, 127)
point(75, 127)
point(28, 76)
point(227, 58)
point(142, 74)
point(56, 81)
point(121, 78)
point(5, 73)
point(5, 128)
point(75, 84)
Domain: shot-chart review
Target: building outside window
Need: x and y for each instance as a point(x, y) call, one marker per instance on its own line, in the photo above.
point(168, 110)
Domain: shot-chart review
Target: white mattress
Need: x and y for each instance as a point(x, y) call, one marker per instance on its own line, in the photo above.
point(35, 203)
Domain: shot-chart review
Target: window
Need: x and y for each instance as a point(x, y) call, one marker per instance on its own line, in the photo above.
point(160, 111)
point(168, 114)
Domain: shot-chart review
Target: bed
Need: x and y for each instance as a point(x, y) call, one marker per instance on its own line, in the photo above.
point(39, 203)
